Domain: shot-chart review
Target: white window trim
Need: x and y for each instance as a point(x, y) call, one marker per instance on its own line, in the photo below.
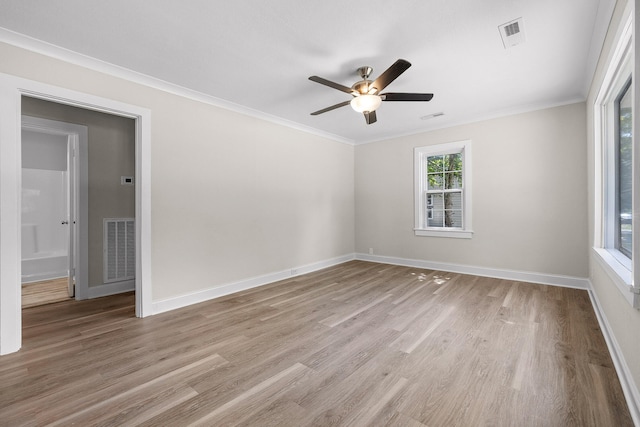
point(419, 153)
point(618, 267)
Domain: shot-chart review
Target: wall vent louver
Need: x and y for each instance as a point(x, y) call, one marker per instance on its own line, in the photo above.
point(119, 249)
point(512, 29)
point(512, 33)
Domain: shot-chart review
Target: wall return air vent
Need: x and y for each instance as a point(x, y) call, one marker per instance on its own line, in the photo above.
point(512, 33)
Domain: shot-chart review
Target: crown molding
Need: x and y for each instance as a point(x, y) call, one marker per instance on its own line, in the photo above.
point(47, 49)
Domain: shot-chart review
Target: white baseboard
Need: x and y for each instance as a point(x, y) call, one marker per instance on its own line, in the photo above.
point(230, 288)
point(26, 279)
point(219, 291)
point(629, 387)
point(521, 276)
point(111, 289)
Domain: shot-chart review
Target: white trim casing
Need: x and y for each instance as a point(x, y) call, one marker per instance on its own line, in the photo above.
point(636, 166)
point(11, 91)
point(620, 269)
point(10, 244)
point(618, 273)
point(419, 155)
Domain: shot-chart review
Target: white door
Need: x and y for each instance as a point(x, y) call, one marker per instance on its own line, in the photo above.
point(71, 219)
point(57, 146)
point(45, 242)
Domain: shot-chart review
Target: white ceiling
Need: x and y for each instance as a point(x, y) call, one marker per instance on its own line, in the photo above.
point(259, 54)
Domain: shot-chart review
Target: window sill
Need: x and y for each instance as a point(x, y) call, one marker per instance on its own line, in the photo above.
point(620, 274)
point(456, 234)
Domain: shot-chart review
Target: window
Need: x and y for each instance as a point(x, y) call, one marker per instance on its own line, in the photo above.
point(615, 165)
point(443, 190)
point(623, 172)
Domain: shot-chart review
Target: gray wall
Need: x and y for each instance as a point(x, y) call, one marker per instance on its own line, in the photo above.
point(111, 152)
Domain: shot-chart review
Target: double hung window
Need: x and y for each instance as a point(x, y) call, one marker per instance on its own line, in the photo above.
point(443, 190)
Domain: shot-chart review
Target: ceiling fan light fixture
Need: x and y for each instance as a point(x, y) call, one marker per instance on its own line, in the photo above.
point(366, 102)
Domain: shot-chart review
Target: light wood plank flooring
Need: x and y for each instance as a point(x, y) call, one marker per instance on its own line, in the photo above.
point(360, 344)
point(45, 292)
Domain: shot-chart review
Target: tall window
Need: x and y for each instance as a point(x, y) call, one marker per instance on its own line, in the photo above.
point(624, 171)
point(616, 198)
point(443, 190)
point(616, 144)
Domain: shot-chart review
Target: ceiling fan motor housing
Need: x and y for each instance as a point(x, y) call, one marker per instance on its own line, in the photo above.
point(365, 72)
point(362, 86)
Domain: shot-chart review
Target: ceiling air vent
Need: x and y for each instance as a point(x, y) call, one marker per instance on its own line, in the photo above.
point(512, 33)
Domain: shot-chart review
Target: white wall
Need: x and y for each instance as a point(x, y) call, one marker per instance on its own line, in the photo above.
point(233, 197)
point(529, 195)
point(622, 319)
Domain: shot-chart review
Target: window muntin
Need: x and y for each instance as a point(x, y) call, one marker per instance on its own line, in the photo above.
point(443, 190)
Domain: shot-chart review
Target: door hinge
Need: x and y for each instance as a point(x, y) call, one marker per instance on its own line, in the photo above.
point(634, 290)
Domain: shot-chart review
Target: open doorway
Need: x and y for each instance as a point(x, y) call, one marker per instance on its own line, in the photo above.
point(13, 90)
point(53, 209)
point(105, 220)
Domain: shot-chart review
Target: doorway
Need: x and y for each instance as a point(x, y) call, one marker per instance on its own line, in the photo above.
point(12, 90)
point(53, 210)
point(107, 192)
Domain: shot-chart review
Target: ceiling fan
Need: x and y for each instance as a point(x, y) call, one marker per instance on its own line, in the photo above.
point(366, 93)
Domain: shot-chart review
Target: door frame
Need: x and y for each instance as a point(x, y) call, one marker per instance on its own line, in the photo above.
point(12, 89)
point(77, 155)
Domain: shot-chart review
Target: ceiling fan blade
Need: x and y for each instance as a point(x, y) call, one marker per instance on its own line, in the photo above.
point(332, 84)
point(333, 107)
point(370, 117)
point(390, 74)
point(406, 96)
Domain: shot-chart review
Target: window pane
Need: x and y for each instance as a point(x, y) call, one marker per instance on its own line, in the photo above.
point(625, 167)
point(436, 219)
point(435, 164)
point(437, 201)
point(435, 181)
point(453, 218)
point(453, 200)
point(452, 180)
point(453, 162)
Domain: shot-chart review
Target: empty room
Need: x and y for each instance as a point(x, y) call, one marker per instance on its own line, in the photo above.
point(305, 213)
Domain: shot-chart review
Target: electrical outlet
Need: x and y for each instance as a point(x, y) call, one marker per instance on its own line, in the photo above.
point(370, 251)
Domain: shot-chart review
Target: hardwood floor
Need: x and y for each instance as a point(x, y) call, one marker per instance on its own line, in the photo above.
point(45, 292)
point(354, 345)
